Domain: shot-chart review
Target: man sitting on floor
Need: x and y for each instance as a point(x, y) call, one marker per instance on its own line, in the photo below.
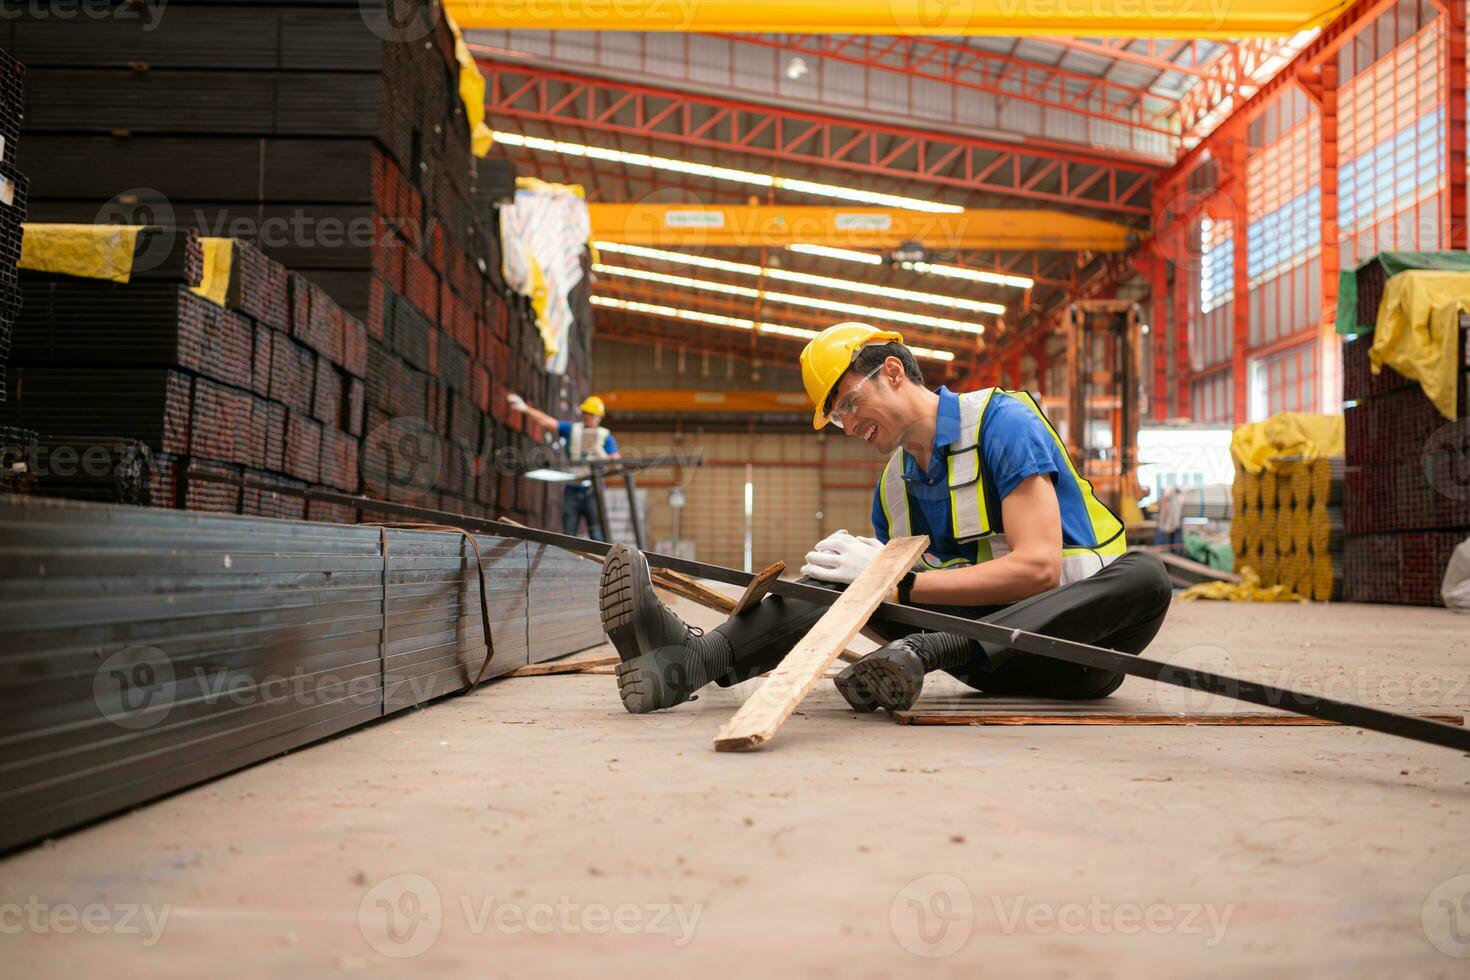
point(1016, 539)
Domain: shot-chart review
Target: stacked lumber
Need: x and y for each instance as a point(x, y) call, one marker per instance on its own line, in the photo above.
point(1407, 495)
point(270, 385)
point(119, 687)
point(14, 190)
point(345, 156)
point(1288, 524)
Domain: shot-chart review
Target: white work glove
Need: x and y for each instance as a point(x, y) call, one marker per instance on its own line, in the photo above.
point(828, 543)
point(840, 558)
point(516, 402)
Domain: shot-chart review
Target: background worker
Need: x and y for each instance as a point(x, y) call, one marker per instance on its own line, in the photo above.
point(1016, 538)
point(583, 442)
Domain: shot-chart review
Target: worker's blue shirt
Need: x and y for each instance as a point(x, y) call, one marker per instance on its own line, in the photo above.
point(1014, 445)
point(609, 446)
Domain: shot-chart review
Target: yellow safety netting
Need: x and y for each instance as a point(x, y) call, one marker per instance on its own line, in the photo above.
point(1305, 434)
point(471, 91)
point(1417, 333)
point(1248, 590)
point(87, 251)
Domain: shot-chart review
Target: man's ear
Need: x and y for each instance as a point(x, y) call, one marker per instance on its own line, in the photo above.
point(893, 371)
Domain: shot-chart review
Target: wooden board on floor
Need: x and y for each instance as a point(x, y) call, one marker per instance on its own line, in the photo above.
point(758, 718)
point(1039, 711)
point(563, 667)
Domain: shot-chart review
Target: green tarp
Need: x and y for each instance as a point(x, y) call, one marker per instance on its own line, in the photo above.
point(1393, 263)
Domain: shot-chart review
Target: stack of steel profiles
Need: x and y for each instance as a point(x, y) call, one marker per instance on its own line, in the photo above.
point(14, 190)
point(1407, 493)
point(375, 204)
point(269, 385)
point(435, 640)
point(563, 602)
point(145, 650)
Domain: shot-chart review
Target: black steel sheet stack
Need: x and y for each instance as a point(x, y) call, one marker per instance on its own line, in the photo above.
point(119, 685)
point(344, 156)
point(1407, 493)
point(564, 608)
point(269, 386)
point(14, 189)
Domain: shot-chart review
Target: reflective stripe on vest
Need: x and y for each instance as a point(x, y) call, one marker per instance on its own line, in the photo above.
point(968, 515)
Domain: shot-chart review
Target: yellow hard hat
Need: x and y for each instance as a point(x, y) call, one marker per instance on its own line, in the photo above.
point(593, 405)
point(830, 353)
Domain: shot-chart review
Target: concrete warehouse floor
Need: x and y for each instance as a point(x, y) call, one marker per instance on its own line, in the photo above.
point(534, 828)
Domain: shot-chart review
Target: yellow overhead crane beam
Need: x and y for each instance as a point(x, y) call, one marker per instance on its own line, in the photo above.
point(1010, 18)
point(779, 225)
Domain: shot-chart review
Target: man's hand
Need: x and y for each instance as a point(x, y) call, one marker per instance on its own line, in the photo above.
point(516, 402)
point(840, 558)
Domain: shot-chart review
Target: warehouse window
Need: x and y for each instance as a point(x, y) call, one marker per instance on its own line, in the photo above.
point(1217, 263)
point(1285, 382)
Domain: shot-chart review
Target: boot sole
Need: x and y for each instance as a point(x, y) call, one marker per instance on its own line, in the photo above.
point(887, 683)
point(615, 600)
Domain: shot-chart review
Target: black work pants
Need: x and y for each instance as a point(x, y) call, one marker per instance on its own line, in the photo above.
point(1120, 608)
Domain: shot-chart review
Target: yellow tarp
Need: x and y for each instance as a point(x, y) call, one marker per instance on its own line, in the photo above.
point(88, 251)
point(1249, 590)
point(1417, 332)
point(471, 91)
point(219, 256)
point(1305, 434)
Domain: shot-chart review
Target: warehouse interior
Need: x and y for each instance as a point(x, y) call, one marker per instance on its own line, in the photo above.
point(485, 488)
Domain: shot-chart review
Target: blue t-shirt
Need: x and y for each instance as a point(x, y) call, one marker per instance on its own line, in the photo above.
point(1014, 445)
point(609, 446)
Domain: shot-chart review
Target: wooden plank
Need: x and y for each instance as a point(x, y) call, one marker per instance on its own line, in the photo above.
point(758, 587)
point(563, 667)
point(927, 716)
point(758, 718)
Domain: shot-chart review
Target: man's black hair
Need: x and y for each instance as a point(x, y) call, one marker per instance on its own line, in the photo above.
point(870, 357)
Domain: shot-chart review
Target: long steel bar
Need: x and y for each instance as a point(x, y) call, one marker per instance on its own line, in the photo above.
point(1345, 712)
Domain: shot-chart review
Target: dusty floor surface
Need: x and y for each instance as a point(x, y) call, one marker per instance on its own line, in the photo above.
point(534, 828)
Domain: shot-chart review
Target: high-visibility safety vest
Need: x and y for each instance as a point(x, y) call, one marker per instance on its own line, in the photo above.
point(584, 443)
point(969, 516)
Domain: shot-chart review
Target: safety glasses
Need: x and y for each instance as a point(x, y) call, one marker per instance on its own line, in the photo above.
point(847, 404)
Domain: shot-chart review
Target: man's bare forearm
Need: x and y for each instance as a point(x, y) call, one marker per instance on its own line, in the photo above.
point(1003, 580)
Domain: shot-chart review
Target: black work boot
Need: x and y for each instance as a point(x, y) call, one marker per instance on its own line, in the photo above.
point(664, 660)
point(894, 673)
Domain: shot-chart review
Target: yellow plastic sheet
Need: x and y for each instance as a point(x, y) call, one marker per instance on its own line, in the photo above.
point(88, 251)
point(1417, 331)
point(219, 256)
point(1305, 434)
point(471, 91)
point(1249, 590)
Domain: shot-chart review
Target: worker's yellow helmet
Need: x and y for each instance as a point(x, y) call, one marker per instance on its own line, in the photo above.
point(830, 353)
point(594, 406)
